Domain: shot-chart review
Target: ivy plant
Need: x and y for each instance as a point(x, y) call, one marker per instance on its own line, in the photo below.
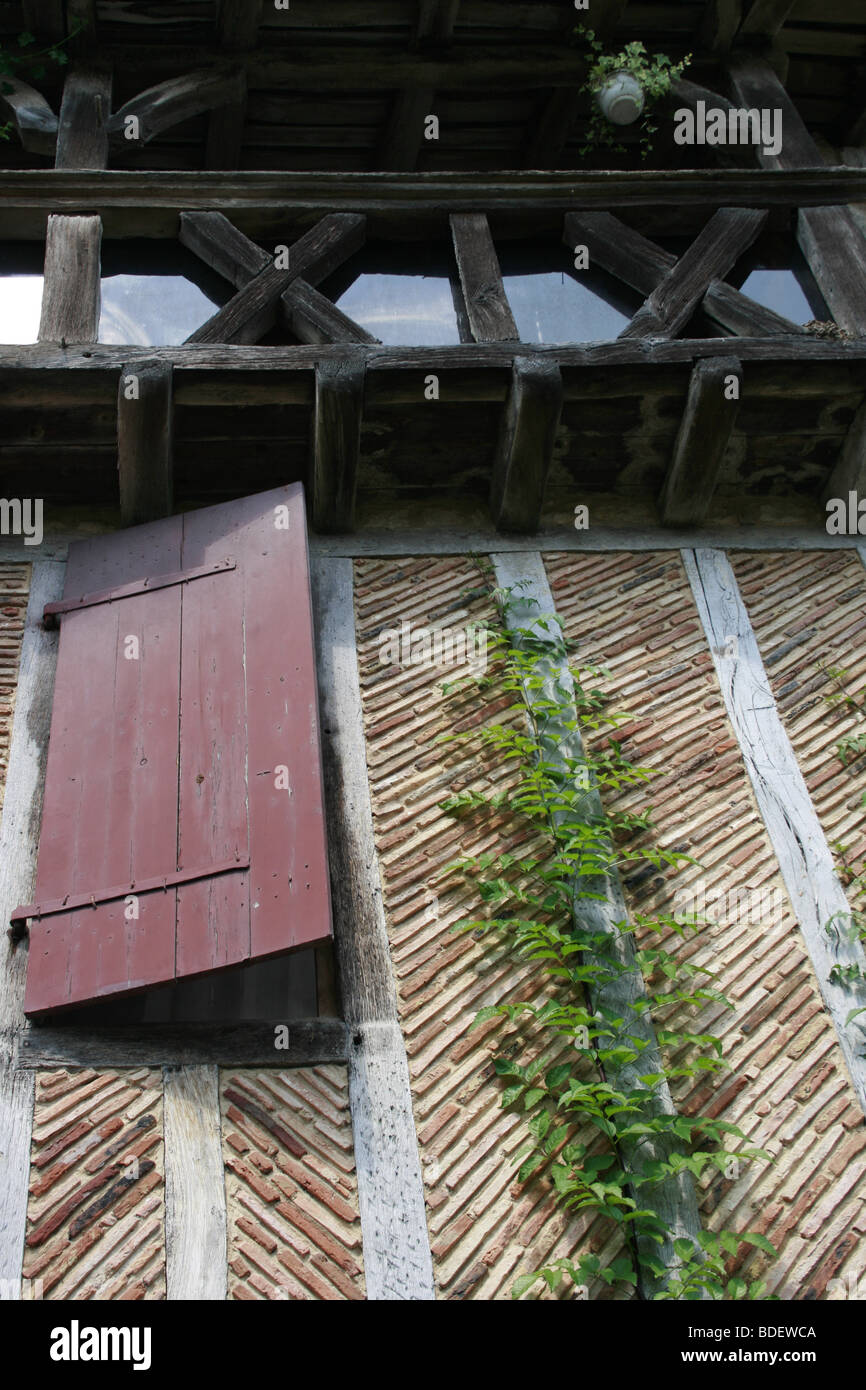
point(849, 928)
point(27, 61)
point(655, 72)
point(591, 1112)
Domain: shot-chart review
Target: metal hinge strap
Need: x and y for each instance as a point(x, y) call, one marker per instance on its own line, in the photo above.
point(138, 586)
point(74, 901)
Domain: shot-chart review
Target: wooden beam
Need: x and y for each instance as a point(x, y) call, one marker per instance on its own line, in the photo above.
point(136, 204)
point(688, 94)
point(397, 1260)
point(638, 262)
point(313, 318)
point(310, 1042)
point(144, 441)
point(217, 241)
point(849, 473)
point(253, 310)
point(308, 314)
point(704, 434)
point(524, 452)
point(829, 238)
point(82, 138)
point(38, 373)
point(225, 130)
point(195, 1186)
point(742, 316)
point(783, 799)
point(720, 22)
point(403, 135)
point(22, 811)
point(623, 997)
point(34, 121)
point(336, 445)
point(238, 23)
point(45, 18)
point(71, 294)
point(436, 19)
point(766, 17)
point(487, 307)
point(719, 246)
point(168, 103)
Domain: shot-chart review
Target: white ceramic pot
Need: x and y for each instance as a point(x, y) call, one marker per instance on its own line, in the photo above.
point(621, 98)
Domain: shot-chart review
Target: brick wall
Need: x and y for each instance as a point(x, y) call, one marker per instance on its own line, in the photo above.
point(787, 1087)
point(294, 1229)
point(96, 1214)
point(485, 1228)
point(14, 590)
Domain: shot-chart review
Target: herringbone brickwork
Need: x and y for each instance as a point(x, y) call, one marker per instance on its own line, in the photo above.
point(294, 1229)
point(787, 1087)
point(96, 1216)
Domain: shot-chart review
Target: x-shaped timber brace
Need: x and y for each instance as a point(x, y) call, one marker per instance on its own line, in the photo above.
point(282, 288)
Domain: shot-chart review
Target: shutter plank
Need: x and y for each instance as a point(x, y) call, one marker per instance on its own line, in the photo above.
point(224, 689)
point(289, 888)
point(213, 916)
point(109, 803)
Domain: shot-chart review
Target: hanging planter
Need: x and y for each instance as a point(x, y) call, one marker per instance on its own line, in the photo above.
point(625, 87)
point(621, 99)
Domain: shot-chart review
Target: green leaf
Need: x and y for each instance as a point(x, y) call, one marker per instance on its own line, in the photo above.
point(753, 1238)
point(523, 1284)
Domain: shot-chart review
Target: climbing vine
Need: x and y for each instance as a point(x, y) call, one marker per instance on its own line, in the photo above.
point(850, 927)
point(28, 61)
point(600, 1072)
point(654, 72)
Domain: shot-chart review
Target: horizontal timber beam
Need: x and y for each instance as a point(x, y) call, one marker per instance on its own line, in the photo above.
point(148, 203)
point(309, 1042)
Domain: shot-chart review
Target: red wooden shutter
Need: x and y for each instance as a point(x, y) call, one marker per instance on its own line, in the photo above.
point(164, 781)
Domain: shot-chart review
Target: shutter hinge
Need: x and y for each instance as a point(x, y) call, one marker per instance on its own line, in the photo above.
point(51, 611)
point(73, 902)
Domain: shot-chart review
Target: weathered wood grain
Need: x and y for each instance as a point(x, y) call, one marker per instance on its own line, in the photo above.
point(397, 1260)
point(435, 19)
point(705, 431)
point(781, 793)
point(600, 911)
point(487, 307)
point(253, 1044)
point(849, 474)
point(829, 238)
point(766, 17)
point(22, 808)
point(71, 296)
point(148, 203)
point(336, 445)
point(145, 453)
point(34, 121)
point(524, 452)
point(217, 241)
point(812, 363)
point(639, 262)
point(313, 318)
point(175, 100)
point(82, 137)
point(313, 256)
point(720, 22)
point(719, 246)
point(195, 1191)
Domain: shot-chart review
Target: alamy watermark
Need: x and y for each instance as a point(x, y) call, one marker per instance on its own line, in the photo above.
point(22, 516)
point(717, 125)
point(411, 645)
